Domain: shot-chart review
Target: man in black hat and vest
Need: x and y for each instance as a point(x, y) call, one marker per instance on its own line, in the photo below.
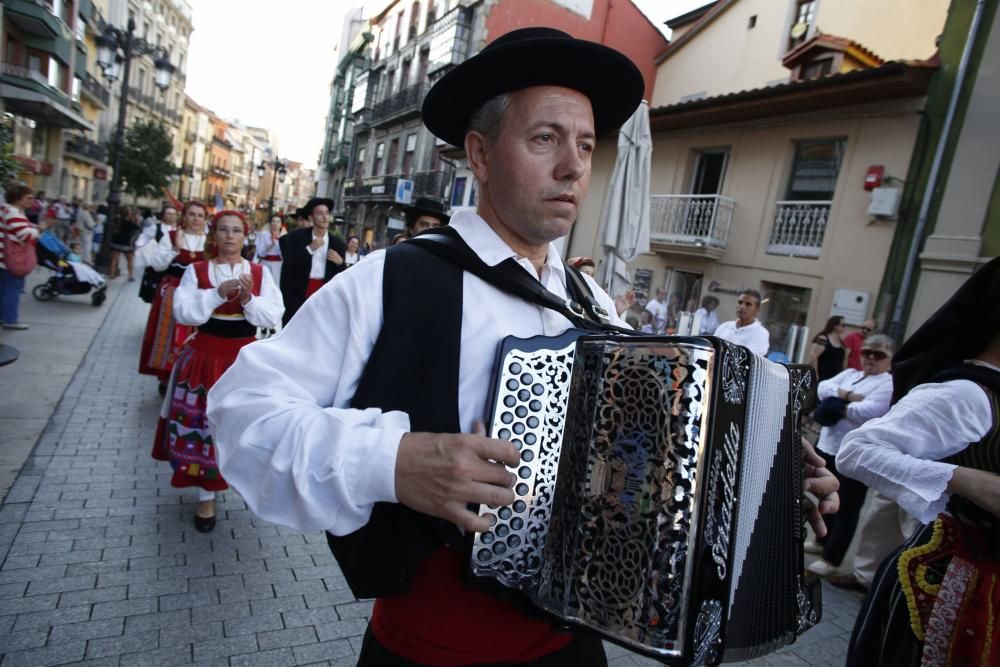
point(423, 214)
point(364, 417)
point(311, 256)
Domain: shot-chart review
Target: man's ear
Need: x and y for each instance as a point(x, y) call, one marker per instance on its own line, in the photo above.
point(477, 155)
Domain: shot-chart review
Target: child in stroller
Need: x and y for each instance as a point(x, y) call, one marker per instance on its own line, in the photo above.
point(69, 277)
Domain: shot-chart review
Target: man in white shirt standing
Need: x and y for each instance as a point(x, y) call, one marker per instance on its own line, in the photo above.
point(85, 224)
point(658, 309)
point(746, 329)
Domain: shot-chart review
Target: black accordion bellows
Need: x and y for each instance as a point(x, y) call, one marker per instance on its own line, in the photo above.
point(658, 500)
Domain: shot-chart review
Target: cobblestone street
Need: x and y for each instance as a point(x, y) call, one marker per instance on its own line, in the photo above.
point(101, 563)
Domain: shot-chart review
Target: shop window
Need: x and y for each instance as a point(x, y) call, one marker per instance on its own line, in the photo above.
point(458, 191)
point(815, 170)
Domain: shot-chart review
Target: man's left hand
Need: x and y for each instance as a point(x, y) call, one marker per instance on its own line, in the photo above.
point(819, 481)
point(334, 256)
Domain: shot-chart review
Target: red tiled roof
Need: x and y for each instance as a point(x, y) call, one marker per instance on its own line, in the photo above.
point(832, 43)
point(893, 80)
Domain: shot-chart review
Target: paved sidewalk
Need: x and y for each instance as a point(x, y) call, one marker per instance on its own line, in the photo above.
point(50, 353)
point(101, 564)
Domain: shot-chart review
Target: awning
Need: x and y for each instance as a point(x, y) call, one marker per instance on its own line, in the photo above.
point(41, 107)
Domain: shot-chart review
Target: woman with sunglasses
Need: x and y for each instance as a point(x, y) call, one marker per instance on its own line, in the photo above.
point(864, 395)
point(226, 298)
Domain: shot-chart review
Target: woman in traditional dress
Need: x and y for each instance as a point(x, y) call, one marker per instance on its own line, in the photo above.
point(226, 298)
point(175, 251)
point(268, 251)
point(937, 453)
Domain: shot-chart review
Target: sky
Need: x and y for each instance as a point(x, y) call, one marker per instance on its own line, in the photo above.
point(261, 63)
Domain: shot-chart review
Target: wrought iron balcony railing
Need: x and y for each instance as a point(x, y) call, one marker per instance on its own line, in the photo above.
point(691, 224)
point(95, 90)
point(383, 188)
point(433, 184)
point(798, 228)
point(83, 147)
point(398, 107)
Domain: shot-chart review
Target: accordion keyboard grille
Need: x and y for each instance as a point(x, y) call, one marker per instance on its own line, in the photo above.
point(762, 606)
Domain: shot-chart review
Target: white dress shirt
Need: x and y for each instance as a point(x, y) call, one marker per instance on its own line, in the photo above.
point(753, 336)
point(194, 305)
point(286, 438)
point(659, 311)
point(877, 390)
point(709, 321)
point(899, 454)
point(266, 245)
point(318, 267)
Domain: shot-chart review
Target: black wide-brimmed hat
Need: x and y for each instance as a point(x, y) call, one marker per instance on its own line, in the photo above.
point(314, 202)
point(427, 206)
point(535, 57)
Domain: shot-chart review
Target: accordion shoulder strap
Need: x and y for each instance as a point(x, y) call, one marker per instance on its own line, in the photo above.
point(509, 276)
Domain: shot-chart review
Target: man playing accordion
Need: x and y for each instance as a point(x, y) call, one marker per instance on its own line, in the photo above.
point(370, 426)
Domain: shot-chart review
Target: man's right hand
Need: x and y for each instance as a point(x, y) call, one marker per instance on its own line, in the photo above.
point(440, 474)
point(317, 243)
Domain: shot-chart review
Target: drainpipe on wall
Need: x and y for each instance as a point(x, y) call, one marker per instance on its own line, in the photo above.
point(896, 328)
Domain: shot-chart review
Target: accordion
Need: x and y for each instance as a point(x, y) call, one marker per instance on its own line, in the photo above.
point(658, 500)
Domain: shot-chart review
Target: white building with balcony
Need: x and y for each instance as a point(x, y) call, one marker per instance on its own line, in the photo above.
point(762, 186)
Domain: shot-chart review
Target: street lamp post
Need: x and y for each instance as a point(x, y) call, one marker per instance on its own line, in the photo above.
point(251, 208)
point(278, 172)
point(115, 50)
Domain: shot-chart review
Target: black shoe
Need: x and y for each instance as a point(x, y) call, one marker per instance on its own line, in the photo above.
point(203, 525)
point(162, 389)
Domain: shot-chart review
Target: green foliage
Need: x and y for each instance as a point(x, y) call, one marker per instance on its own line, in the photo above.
point(8, 165)
point(146, 165)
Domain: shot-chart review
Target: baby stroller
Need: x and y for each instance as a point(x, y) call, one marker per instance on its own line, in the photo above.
point(70, 277)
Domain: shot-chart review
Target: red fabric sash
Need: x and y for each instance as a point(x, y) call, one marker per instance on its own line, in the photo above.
point(313, 286)
point(441, 621)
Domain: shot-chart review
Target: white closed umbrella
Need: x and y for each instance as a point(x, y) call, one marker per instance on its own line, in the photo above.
point(626, 204)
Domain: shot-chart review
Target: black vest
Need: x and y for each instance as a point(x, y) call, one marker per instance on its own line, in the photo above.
point(985, 454)
point(413, 368)
point(982, 455)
